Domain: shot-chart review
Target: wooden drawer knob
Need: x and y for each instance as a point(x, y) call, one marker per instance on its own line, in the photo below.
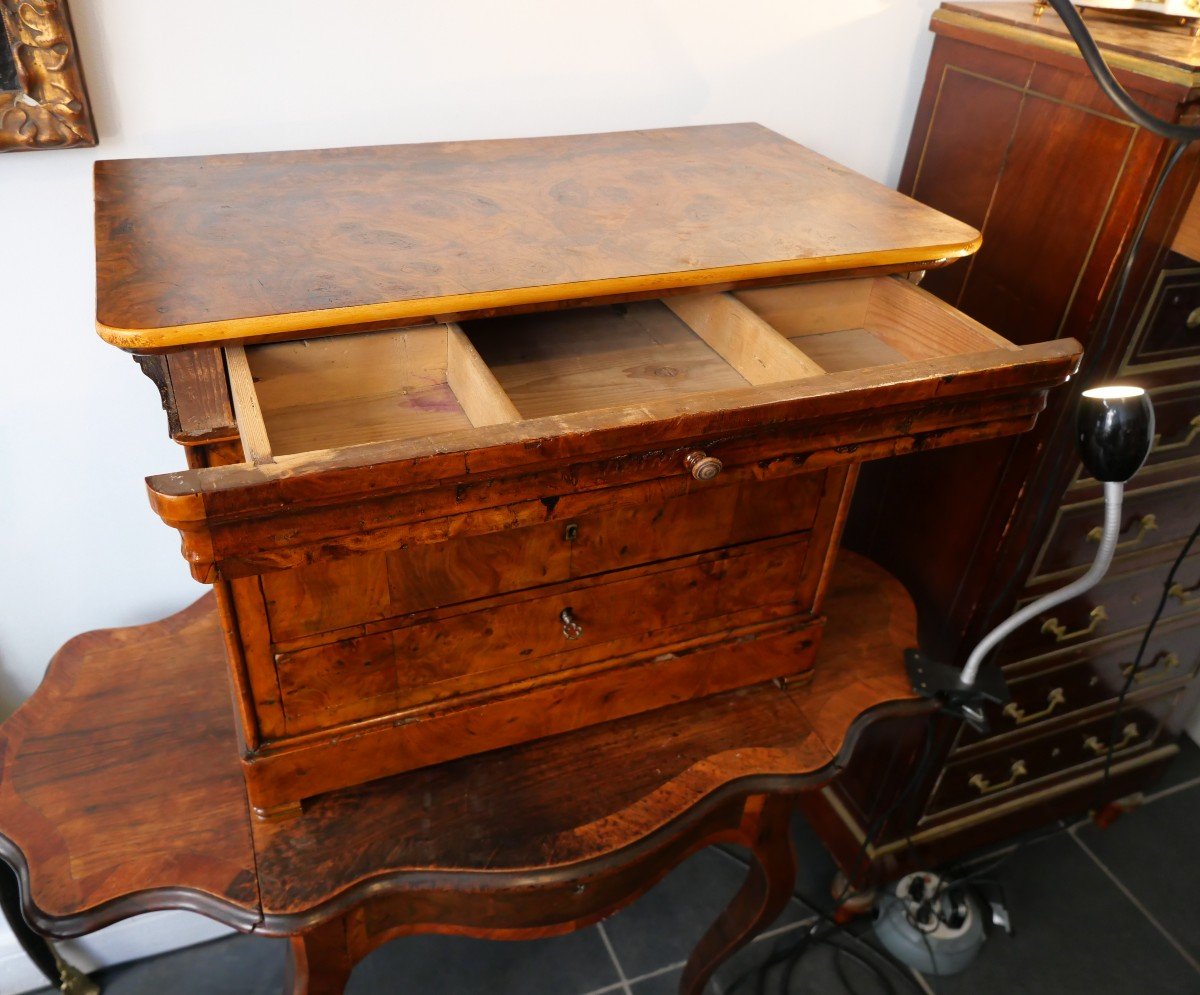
point(703, 467)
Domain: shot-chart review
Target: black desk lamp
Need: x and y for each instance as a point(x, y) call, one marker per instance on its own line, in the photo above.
point(1114, 432)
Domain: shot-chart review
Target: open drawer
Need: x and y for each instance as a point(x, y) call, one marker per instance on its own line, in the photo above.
point(445, 429)
point(328, 393)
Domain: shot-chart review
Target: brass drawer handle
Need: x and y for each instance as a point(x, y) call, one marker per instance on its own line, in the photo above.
point(703, 467)
point(980, 783)
point(1017, 714)
point(1051, 626)
point(572, 628)
point(1183, 443)
point(1164, 663)
point(1130, 733)
point(1193, 319)
point(1147, 523)
point(1186, 596)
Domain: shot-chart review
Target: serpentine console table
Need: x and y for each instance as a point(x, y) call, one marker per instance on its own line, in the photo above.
point(120, 793)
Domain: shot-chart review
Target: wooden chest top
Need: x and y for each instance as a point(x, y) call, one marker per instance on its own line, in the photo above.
point(253, 247)
point(1145, 51)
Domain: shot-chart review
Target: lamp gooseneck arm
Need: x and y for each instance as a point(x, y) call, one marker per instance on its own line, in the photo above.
point(1113, 494)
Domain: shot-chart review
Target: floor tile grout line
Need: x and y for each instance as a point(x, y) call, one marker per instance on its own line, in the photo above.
point(609, 990)
point(1172, 790)
point(1133, 899)
point(790, 927)
point(612, 953)
point(659, 971)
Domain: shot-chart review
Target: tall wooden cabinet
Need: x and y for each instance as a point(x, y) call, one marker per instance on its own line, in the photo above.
point(1013, 137)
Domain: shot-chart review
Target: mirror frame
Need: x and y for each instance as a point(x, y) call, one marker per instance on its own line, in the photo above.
point(50, 108)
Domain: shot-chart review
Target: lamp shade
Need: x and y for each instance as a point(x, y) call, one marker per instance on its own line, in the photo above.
point(1114, 431)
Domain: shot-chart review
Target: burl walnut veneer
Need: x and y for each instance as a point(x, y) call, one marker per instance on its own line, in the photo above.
point(491, 441)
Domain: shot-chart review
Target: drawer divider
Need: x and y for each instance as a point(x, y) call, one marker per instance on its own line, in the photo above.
point(482, 398)
point(753, 347)
point(251, 426)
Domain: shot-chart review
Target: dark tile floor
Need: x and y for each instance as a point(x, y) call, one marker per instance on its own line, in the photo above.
point(1095, 912)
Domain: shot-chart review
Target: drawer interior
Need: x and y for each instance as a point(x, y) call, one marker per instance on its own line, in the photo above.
point(586, 358)
point(295, 397)
point(856, 324)
point(344, 390)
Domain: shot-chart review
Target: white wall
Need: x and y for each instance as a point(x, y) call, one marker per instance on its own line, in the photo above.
point(79, 425)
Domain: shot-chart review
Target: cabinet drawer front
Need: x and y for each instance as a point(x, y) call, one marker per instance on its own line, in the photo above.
point(1170, 329)
point(1119, 603)
point(1161, 515)
point(1072, 684)
point(981, 780)
point(335, 594)
point(531, 639)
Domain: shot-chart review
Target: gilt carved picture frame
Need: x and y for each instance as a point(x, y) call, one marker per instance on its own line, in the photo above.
point(43, 101)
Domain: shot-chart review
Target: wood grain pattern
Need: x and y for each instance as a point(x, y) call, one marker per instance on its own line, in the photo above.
point(243, 247)
point(520, 641)
point(482, 398)
point(1187, 239)
point(96, 838)
point(563, 362)
point(353, 591)
point(252, 429)
point(120, 778)
point(751, 346)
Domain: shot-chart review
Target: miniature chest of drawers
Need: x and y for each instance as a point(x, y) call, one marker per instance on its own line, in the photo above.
point(493, 440)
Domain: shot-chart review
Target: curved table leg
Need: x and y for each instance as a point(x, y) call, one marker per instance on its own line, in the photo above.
point(57, 971)
point(762, 897)
point(319, 962)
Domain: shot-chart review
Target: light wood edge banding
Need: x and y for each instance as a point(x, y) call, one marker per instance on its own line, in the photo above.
point(332, 321)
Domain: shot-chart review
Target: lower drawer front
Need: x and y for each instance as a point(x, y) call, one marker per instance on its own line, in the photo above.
point(1119, 603)
point(1161, 515)
point(980, 780)
point(1074, 683)
point(508, 646)
point(338, 593)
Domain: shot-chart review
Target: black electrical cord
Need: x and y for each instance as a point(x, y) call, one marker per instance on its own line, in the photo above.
point(1108, 82)
point(877, 822)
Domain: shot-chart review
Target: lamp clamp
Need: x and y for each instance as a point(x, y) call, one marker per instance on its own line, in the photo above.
point(942, 683)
